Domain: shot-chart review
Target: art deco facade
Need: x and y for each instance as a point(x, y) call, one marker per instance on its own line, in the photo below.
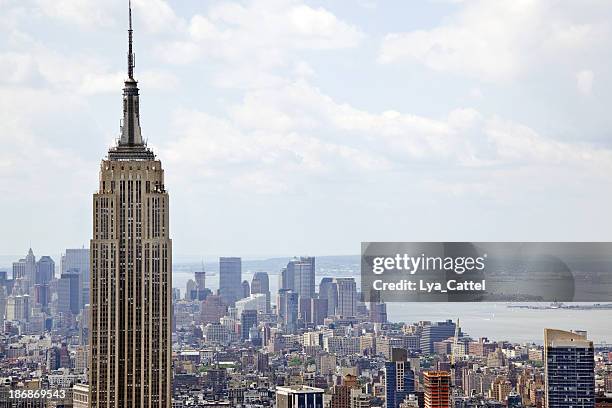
point(131, 272)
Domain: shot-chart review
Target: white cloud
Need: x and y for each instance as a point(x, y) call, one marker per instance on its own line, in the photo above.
point(496, 41)
point(584, 81)
point(255, 38)
point(157, 16)
point(87, 14)
point(101, 83)
point(16, 68)
point(287, 136)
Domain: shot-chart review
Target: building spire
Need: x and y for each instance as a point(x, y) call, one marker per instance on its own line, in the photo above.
point(130, 131)
point(131, 144)
point(131, 62)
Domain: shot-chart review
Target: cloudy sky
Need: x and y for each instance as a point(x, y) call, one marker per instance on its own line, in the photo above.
point(290, 127)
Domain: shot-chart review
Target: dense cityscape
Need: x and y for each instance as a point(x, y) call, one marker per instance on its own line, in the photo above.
point(242, 345)
point(106, 327)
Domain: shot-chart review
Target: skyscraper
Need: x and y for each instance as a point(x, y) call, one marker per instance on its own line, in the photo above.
point(261, 284)
point(318, 311)
point(24, 271)
point(200, 279)
point(19, 268)
point(69, 293)
point(45, 270)
point(399, 378)
point(131, 270)
point(190, 288)
point(245, 289)
point(76, 260)
point(435, 332)
point(230, 279)
point(18, 308)
point(3, 296)
point(288, 307)
point(437, 389)
point(248, 319)
point(329, 290)
point(198, 290)
point(300, 276)
point(569, 370)
point(347, 297)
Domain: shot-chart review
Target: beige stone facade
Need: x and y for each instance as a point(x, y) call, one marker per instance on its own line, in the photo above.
point(131, 285)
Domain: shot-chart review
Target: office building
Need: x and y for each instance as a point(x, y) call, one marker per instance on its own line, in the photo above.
point(288, 309)
point(24, 271)
point(378, 312)
point(215, 333)
point(196, 290)
point(569, 370)
point(318, 311)
point(300, 276)
point(248, 319)
point(213, 308)
point(18, 308)
point(3, 300)
point(254, 302)
point(341, 394)
point(328, 290)
point(261, 284)
point(42, 295)
point(69, 293)
point(230, 279)
point(246, 289)
point(347, 297)
point(76, 260)
point(131, 271)
point(436, 332)
point(45, 270)
point(200, 279)
point(299, 396)
point(190, 289)
point(80, 396)
point(399, 378)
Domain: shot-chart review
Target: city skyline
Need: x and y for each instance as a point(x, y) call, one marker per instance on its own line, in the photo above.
point(264, 148)
point(252, 151)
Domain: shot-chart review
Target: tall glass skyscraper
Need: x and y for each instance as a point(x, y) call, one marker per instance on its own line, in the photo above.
point(301, 272)
point(230, 279)
point(569, 369)
point(45, 270)
point(76, 260)
point(399, 378)
point(131, 271)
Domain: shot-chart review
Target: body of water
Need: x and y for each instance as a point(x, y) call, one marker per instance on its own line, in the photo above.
point(493, 320)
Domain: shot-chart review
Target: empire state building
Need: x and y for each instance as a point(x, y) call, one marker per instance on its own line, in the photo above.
point(131, 271)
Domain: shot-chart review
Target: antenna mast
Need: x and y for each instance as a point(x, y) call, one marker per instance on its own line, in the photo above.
point(131, 62)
